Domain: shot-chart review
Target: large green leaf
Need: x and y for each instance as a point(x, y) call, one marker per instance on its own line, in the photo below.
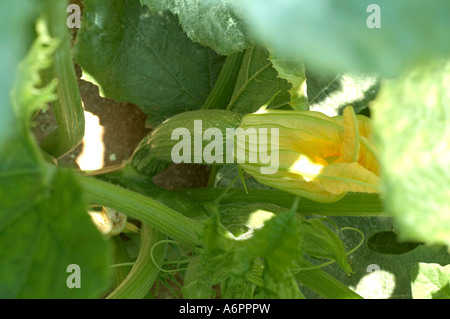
point(385, 272)
point(144, 58)
point(411, 123)
point(257, 83)
point(44, 226)
point(219, 27)
point(335, 34)
point(430, 281)
point(38, 244)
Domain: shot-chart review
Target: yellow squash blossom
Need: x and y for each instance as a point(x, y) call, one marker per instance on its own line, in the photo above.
point(320, 157)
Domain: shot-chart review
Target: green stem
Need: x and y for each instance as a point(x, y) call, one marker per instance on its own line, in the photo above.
point(225, 83)
point(129, 178)
point(146, 269)
point(143, 208)
point(323, 284)
point(68, 110)
point(353, 204)
point(212, 175)
point(130, 264)
point(120, 256)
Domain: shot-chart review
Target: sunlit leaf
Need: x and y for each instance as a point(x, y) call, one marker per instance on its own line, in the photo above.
point(411, 122)
point(219, 28)
point(430, 281)
point(394, 279)
point(337, 34)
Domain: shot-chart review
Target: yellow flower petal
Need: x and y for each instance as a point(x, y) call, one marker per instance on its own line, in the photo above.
point(347, 177)
point(350, 145)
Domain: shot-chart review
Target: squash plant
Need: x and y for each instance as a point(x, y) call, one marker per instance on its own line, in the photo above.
point(358, 206)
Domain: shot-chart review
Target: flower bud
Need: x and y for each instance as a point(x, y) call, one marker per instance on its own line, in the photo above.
point(109, 221)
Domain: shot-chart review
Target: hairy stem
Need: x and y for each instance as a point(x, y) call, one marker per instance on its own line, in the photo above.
point(144, 272)
point(353, 204)
point(145, 209)
point(323, 284)
point(225, 83)
point(68, 110)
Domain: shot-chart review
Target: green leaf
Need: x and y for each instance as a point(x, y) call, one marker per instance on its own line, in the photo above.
point(292, 70)
point(386, 242)
point(25, 97)
point(197, 280)
point(38, 244)
point(430, 281)
point(235, 263)
point(213, 263)
point(334, 34)
point(18, 18)
point(219, 27)
point(236, 289)
point(144, 58)
point(20, 162)
point(411, 120)
point(289, 289)
point(44, 226)
point(331, 92)
point(257, 83)
point(278, 243)
point(213, 237)
point(393, 279)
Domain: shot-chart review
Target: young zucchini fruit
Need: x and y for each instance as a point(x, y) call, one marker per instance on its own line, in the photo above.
point(184, 138)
